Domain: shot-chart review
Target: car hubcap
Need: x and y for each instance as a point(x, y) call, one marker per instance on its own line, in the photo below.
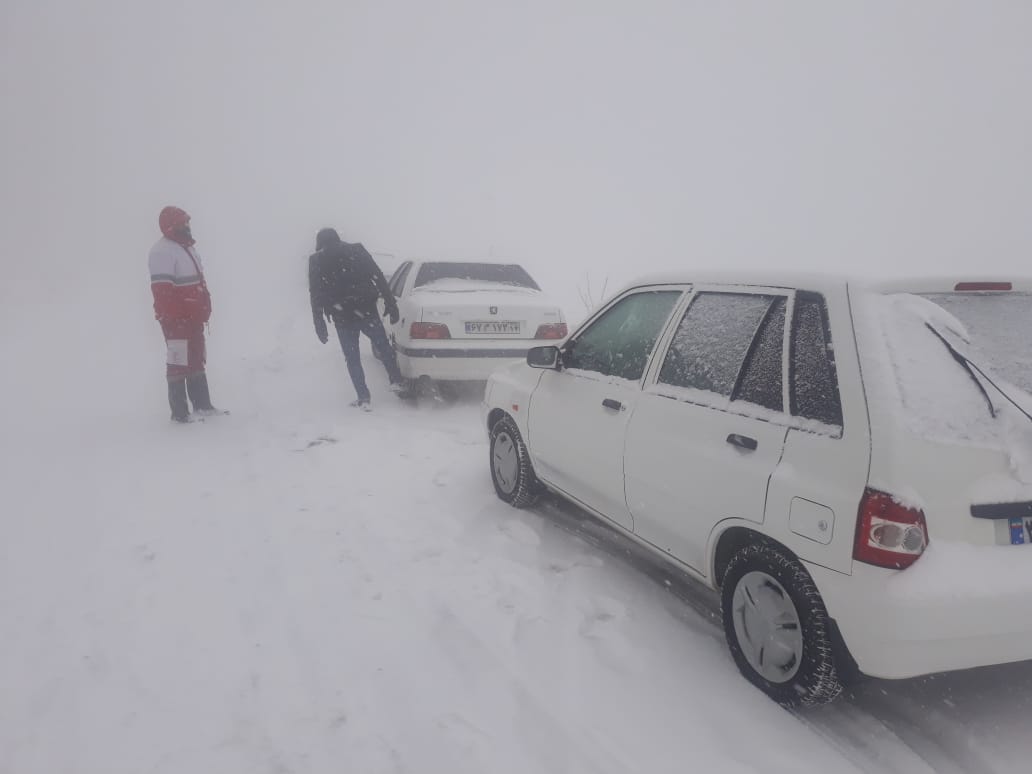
point(767, 627)
point(505, 462)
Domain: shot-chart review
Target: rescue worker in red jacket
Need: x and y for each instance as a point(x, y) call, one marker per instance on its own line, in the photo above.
point(182, 306)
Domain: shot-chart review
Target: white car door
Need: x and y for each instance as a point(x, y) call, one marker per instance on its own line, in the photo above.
point(709, 429)
point(397, 285)
point(578, 415)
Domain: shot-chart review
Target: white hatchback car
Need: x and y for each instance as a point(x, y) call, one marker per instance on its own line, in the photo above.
point(849, 463)
point(461, 320)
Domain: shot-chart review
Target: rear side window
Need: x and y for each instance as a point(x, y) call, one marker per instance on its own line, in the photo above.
point(620, 342)
point(398, 280)
point(502, 273)
point(712, 341)
point(814, 393)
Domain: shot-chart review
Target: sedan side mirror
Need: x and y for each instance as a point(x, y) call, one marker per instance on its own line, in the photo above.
point(543, 357)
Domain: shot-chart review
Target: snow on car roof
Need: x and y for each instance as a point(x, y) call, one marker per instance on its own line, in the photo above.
point(825, 281)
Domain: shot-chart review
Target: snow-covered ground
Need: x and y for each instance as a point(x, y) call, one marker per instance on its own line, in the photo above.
point(300, 588)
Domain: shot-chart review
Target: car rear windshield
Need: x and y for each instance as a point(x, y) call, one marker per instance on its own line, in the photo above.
point(936, 343)
point(498, 273)
point(1000, 328)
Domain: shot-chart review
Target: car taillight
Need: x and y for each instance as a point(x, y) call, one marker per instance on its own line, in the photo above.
point(425, 330)
point(888, 534)
point(551, 331)
point(984, 286)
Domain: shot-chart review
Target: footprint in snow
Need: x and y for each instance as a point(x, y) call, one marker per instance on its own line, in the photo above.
point(145, 553)
point(599, 618)
point(563, 567)
point(319, 441)
point(337, 722)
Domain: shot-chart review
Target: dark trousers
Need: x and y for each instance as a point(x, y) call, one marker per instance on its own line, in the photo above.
point(371, 326)
point(184, 367)
point(196, 387)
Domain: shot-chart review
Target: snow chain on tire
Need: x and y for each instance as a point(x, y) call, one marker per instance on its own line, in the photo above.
point(817, 680)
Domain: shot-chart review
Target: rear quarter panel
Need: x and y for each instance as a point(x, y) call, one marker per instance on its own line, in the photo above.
point(918, 465)
point(824, 470)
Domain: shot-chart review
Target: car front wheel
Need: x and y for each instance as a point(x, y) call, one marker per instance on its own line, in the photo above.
point(777, 627)
point(511, 471)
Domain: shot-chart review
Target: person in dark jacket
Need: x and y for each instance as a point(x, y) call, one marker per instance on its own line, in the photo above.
point(344, 283)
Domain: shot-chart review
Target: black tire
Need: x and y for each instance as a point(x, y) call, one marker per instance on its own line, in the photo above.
point(409, 390)
point(519, 486)
point(813, 678)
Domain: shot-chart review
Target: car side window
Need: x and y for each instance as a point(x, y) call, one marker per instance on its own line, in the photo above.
point(620, 342)
point(760, 380)
point(812, 374)
point(712, 341)
point(398, 279)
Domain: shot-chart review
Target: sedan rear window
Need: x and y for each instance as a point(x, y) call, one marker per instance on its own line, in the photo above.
point(499, 273)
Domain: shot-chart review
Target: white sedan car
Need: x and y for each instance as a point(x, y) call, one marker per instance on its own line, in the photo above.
point(461, 320)
point(850, 463)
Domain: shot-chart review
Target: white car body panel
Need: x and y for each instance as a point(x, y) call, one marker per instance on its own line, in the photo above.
point(565, 409)
point(684, 487)
point(667, 468)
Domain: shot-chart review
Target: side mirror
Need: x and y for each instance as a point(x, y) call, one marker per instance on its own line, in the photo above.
point(543, 357)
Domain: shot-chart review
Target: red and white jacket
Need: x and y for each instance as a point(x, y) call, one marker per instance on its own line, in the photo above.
point(177, 282)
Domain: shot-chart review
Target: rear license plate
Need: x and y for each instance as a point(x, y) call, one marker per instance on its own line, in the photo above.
point(492, 326)
point(1020, 530)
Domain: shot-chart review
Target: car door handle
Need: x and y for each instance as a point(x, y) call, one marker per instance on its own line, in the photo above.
point(615, 405)
point(742, 441)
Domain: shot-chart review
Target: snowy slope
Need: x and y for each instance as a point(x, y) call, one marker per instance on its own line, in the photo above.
point(302, 588)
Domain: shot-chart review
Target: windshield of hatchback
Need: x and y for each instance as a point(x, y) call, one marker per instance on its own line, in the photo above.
point(509, 274)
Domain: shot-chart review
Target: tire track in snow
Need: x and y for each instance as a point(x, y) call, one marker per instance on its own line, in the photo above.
point(878, 726)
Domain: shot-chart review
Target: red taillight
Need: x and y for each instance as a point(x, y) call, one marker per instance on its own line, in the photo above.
point(972, 286)
point(888, 534)
point(425, 330)
point(551, 331)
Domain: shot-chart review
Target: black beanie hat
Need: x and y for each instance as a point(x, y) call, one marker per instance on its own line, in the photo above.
point(326, 237)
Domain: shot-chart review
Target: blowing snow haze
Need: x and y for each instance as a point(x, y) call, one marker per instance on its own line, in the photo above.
point(303, 587)
point(606, 137)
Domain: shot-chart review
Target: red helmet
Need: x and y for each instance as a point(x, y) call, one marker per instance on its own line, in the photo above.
point(172, 218)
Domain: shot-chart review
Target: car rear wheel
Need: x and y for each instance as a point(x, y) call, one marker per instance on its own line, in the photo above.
point(777, 627)
point(511, 471)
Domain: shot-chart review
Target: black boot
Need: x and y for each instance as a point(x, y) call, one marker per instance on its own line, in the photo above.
point(177, 400)
point(197, 387)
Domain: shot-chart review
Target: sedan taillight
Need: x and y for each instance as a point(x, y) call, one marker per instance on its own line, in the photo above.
point(888, 533)
point(425, 330)
point(551, 331)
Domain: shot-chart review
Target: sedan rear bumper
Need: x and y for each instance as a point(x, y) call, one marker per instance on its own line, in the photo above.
point(455, 363)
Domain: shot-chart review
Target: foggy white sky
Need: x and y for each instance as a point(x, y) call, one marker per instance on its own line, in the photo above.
point(615, 137)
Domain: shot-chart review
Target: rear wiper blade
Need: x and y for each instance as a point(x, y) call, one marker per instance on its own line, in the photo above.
point(971, 367)
point(967, 365)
